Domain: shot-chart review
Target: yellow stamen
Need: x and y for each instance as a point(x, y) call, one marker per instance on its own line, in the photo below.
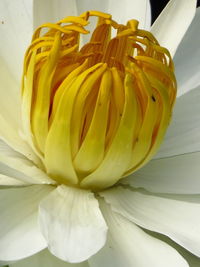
point(97, 113)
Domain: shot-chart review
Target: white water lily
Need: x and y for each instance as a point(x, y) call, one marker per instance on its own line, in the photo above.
point(150, 218)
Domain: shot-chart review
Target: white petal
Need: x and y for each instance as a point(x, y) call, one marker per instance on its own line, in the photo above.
point(148, 17)
point(178, 175)
point(15, 31)
point(186, 59)
point(45, 259)
point(19, 233)
point(10, 129)
point(16, 25)
point(171, 25)
point(177, 218)
point(72, 224)
point(9, 96)
point(183, 135)
point(52, 11)
point(127, 243)
point(10, 135)
point(192, 260)
point(121, 11)
point(26, 171)
point(10, 119)
point(8, 181)
point(9, 132)
point(9, 176)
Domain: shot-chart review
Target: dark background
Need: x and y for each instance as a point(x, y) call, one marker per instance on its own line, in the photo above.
point(158, 5)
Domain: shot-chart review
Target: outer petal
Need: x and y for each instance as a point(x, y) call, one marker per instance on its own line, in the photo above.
point(25, 170)
point(9, 95)
point(9, 176)
point(52, 11)
point(127, 243)
point(192, 260)
point(178, 175)
point(10, 111)
point(186, 59)
point(173, 22)
point(10, 132)
point(183, 135)
point(10, 181)
point(178, 218)
point(19, 233)
point(45, 259)
point(15, 31)
point(10, 135)
point(72, 224)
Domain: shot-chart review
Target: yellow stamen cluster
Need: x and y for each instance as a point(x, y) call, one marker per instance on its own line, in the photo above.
point(97, 113)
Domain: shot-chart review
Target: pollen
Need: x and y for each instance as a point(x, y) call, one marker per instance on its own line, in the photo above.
point(97, 112)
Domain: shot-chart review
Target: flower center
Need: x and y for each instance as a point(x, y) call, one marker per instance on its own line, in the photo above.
point(97, 113)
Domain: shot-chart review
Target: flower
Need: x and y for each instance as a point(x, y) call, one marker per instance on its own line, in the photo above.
point(112, 227)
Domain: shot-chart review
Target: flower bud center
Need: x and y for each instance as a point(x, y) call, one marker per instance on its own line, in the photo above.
point(95, 113)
